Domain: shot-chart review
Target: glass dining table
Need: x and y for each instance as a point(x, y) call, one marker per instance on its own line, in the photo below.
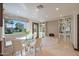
point(28, 45)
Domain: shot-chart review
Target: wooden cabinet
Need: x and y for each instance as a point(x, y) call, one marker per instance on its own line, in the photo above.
point(1, 16)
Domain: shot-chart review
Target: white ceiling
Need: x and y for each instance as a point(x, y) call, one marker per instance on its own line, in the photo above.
point(47, 13)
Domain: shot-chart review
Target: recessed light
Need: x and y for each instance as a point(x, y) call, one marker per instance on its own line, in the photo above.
point(61, 15)
point(57, 9)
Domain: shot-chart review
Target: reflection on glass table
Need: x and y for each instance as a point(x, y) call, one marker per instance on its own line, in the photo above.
point(28, 44)
point(30, 47)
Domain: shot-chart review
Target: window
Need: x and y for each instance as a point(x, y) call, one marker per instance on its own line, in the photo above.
point(13, 26)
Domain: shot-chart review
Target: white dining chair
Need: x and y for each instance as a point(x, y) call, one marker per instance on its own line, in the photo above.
point(17, 47)
point(37, 44)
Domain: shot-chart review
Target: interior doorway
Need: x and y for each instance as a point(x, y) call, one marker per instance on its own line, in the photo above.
point(35, 30)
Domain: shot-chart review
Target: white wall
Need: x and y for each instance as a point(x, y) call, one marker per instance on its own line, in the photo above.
point(74, 30)
point(52, 27)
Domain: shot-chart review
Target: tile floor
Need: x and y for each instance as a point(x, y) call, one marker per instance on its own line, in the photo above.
point(54, 47)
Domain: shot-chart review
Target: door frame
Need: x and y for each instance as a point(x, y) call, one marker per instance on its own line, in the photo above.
point(33, 23)
point(77, 49)
point(78, 32)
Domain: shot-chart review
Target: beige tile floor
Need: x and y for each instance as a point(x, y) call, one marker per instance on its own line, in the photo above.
point(55, 47)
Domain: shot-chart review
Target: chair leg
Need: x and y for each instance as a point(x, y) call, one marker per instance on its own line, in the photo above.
point(21, 53)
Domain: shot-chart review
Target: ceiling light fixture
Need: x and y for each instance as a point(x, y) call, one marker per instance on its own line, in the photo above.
point(40, 6)
point(57, 9)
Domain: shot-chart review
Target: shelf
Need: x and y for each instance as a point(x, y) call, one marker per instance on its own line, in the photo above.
point(65, 25)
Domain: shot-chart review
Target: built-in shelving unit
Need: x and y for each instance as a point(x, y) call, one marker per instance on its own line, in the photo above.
point(65, 28)
point(42, 29)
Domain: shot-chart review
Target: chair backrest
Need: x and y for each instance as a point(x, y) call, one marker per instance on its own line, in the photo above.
point(8, 50)
point(38, 42)
point(17, 45)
